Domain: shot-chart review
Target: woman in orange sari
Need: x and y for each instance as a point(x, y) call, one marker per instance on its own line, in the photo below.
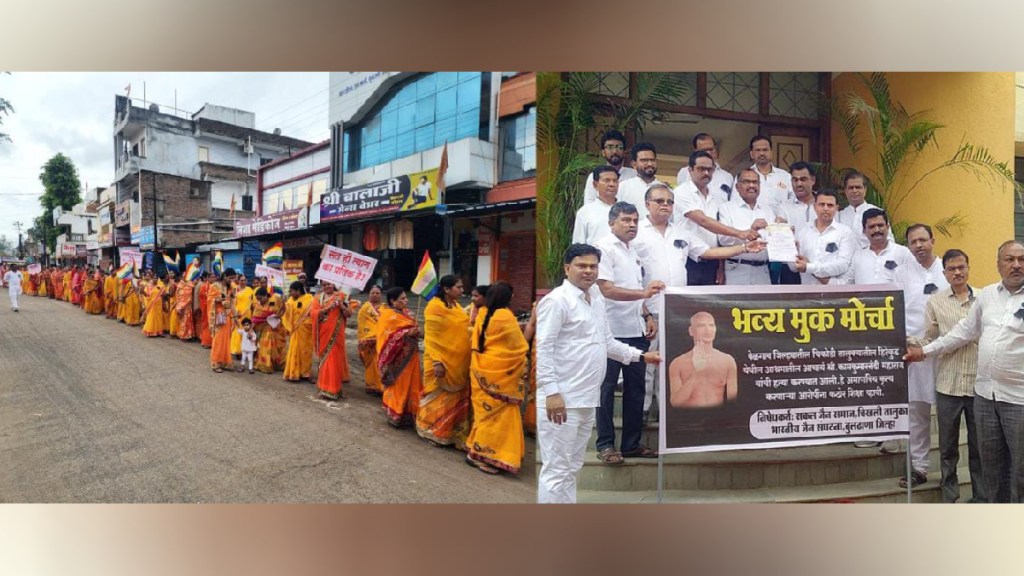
point(530, 413)
point(266, 322)
point(367, 330)
point(443, 416)
point(329, 314)
point(110, 299)
point(220, 320)
point(91, 294)
point(171, 305)
point(182, 303)
point(203, 323)
point(398, 360)
point(299, 360)
point(498, 367)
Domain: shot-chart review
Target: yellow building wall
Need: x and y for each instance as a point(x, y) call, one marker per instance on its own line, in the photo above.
point(978, 107)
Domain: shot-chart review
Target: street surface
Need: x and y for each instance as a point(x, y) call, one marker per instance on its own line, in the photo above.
point(93, 411)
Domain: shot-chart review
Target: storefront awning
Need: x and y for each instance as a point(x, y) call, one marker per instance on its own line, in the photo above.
point(497, 207)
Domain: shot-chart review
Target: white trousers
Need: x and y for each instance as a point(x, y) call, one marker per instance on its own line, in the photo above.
point(562, 448)
point(920, 443)
point(737, 274)
point(14, 297)
point(247, 357)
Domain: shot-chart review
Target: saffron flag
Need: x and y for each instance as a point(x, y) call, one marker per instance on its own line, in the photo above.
point(232, 216)
point(441, 170)
point(425, 284)
point(274, 256)
point(125, 271)
point(218, 263)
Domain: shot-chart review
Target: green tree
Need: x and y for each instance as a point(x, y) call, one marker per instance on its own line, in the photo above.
point(61, 188)
point(568, 113)
point(5, 109)
point(898, 138)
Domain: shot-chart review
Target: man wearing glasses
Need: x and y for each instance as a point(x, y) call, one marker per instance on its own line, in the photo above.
point(698, 208)
point(749, 213)
point(665, 248)
point(721, 181)
point(613, 146)
point(645, 160)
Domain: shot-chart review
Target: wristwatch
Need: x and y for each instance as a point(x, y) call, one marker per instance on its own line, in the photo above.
point(648, 315)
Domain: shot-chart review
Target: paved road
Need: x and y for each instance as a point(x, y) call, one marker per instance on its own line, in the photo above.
point(92, 411)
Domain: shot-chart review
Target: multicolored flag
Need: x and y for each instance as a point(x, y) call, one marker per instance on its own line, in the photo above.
point(218, 263)
point(425, 284)
point(125, 271)
point(274, 256)
point(193, 272)
point(173, 265)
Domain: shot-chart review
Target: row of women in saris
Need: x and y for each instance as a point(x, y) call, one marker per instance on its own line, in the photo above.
point(470, 390)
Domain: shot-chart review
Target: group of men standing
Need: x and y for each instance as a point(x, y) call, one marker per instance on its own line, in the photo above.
point(635, 236)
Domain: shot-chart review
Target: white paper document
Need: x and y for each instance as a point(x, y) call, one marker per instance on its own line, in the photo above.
point(781, 243)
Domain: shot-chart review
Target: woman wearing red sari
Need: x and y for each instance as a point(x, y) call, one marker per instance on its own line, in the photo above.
point(77, 284)
point(330, 311)
point(398, 360)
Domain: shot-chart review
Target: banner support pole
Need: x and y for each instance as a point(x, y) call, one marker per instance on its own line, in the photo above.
point(910, 480)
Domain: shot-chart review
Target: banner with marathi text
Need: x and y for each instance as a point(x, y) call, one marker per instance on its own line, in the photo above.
point(765, 366)
point(344, 268)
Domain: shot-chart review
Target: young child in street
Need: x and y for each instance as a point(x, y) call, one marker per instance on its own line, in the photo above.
point(248, 344)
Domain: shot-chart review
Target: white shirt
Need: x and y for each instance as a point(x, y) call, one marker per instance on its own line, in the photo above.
point(13, 280)
point(799, 214)
point(247, 344)
point(590, 192)
point(741, 216)
point(829, 253)
point(591, 223)
point(721, 185)
point(1000, 336)
point(573, 345)
point(931, 275)
point(893, 265)
point(776, 187)
point(633, 191)
point(620, 265)
point(854, 219)
point(660, 257)
point(689, 198)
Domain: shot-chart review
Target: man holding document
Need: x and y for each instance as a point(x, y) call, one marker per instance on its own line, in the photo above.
point(749, 213)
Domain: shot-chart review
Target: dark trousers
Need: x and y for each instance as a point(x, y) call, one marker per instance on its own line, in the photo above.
point(949, 410)
point(1000, 428)
point(781, 274)
point(633, 388)
point(701, 273)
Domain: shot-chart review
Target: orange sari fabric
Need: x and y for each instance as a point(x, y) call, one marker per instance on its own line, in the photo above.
point(203, 322)
point(443, 416)
point(329, 344)
point(270, 341)
point(154, 310)
point(498, 391)
point(183, 310)
point(220, 324)
point(367, 330)
point(398, 361)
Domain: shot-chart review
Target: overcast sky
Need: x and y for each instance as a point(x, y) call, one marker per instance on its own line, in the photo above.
point(73, 113)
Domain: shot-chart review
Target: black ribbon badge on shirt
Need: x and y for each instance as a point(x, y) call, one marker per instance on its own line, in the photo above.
point(930, 288)
point(832, 247)
point(680, 243)
point(1020, 313)
point(890, 264)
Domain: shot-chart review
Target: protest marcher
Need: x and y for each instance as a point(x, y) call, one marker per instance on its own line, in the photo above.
point(443, 415)
point(613, 146)
point(329, 313)
point(297, 323)
point(398, 360)
point(369, 313)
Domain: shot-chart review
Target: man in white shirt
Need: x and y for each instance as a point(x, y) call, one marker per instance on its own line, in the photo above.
point(665, 247)
point(826, 247)
point(747, 214)
point(698, 208)
point(721, 181)
point(573, 342)
point(996, 322)
point(855, 189)
point(620, 278)
point(776, 186)
point(886, 262)
point(613, 146)
point(798, 214)
point(13, 279)
point(645, 160)
point(592, 219)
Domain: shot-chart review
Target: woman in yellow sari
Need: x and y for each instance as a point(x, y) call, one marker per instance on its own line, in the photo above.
point(221, 296)
point(530, 413)
point(367, 331)
point(498, 367)
point(131, 304)
point(110, 298)
point(44, 278)
point(296, 321)
point(170, 305)
point(398, 360)
point(243, 310)
point(443, 416)
point(154, 308)
point(266, 322)
point(91, 293)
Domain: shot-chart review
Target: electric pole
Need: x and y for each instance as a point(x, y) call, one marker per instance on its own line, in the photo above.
point(21, 251)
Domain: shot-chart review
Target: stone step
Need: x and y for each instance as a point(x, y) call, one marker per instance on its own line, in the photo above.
point(752, 469)
point(885, 490)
